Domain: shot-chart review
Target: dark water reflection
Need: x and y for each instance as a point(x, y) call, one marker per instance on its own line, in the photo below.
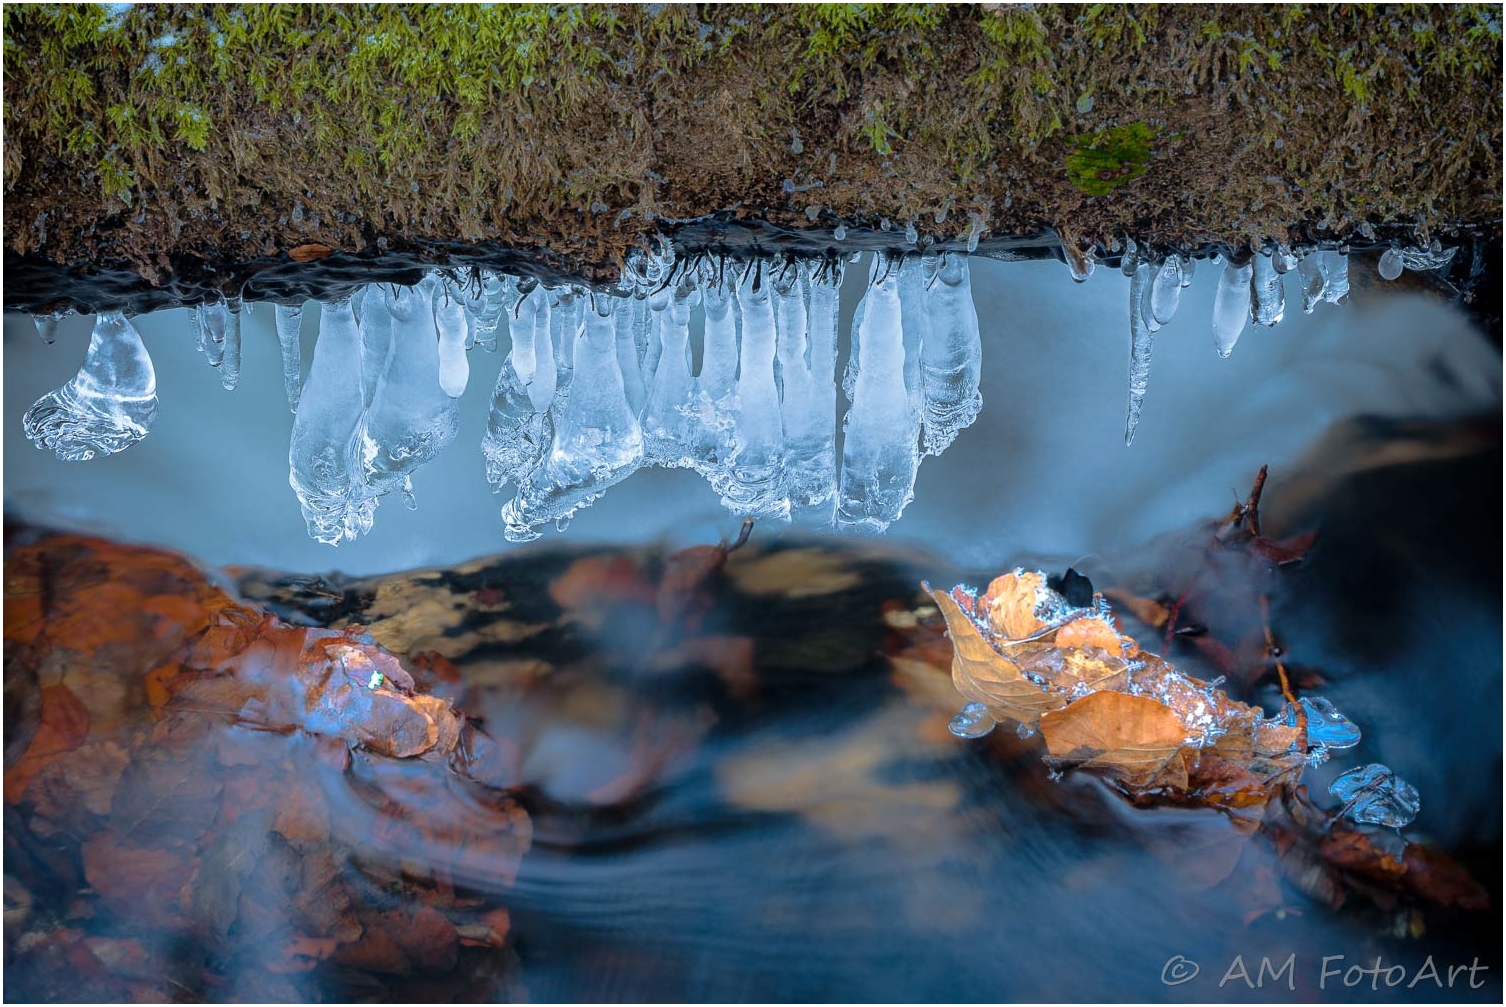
point(776, 813)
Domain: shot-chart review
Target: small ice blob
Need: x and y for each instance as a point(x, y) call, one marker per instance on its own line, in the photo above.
point(107, 406)
point(1326, 726)
point(974, 721)
point(1374, 795)
point(1391, 264)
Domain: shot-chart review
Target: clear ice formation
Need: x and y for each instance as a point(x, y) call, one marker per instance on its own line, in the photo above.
point(1142, 337)
point(1390, 264)
point(1267, 294)
point(1326, 726)
point(973, 721)
point(324, 458)
point(881, 451)
point(951, 362)
point(107, 406)
point(598, 384)
point(289, 320)
point(1231, 306)
point(1374, 795)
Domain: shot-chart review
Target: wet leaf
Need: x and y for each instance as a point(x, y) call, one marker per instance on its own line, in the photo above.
point(1009, 604)
point(985, 676)
point(1132, 738)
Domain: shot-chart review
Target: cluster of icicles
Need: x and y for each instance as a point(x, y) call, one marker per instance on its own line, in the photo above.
point(1254, 291)
point(595, 386)
point(598, 384)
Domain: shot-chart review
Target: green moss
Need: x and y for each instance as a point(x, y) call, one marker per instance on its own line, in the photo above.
point(1110, 157)
point(488, 119)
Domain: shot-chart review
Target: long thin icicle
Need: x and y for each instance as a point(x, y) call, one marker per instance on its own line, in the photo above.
point(1268, 295)
point(289, 323)
point(1141, 339)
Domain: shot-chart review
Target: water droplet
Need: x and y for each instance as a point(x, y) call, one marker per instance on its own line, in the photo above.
point(912, 235)
point(1024, 731)
point(840, 233)
point(1085, 103)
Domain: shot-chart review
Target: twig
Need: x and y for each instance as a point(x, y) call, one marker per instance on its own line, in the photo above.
point(1273, 652)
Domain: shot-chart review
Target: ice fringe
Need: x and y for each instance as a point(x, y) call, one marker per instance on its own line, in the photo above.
point(597, 384)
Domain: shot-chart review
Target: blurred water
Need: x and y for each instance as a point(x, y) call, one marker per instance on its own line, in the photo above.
point(1043, 470)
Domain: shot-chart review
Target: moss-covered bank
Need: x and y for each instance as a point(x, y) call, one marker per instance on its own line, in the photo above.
point(162, 135)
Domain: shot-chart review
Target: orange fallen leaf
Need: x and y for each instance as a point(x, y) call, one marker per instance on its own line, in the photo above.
point(310, 252)
point(1010, 602)
point(1133, 738)
point(983, 675)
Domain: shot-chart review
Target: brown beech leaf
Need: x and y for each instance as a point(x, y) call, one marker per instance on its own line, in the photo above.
point(310, 252)
point(1090, 633)
point(1132, 738)
point(1009, 605)
point(983, 675)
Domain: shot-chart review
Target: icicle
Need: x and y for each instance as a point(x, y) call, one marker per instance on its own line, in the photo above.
point(412, 417)
point(1166, 291)
point(1268, 296)
point(47, 325)
point(881, 450)
point(566, 318)
point(324, 462)
point(1310, 277)
point(213, 318)
point(530, 322)
point(952, 354)
point(498, 294)
point(450, 320)
point(517, 432)
point(756, 483)
point(716, 385)
point(107, 406)
point(1390, 264)
point(289, 318)
point(669, 434)
point(375, 325)
point(810, 450)
point(1189, 266)
point(1140, 347)
point(230, 360)
point(1335, 266)
point(472, 299)
point(650, 333)
point(632, 321)
point(1283, 259)
point(912, 235)
point(1231, 306)
point(597, 440)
